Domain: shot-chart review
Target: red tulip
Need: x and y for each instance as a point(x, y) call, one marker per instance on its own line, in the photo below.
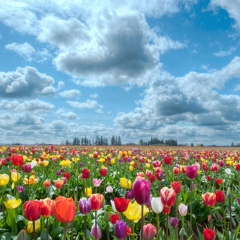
point(47, 207)
point(176, 170)
point(114, 218)
point(96, 201)
point(168, 196)
point(168, 160)
point(220, 196)
point(17, 160)
point(219, 181)
point(191, 172)
point(167, 210)
point(103, 172)
point(64, 209)
point(205, 166)
point(237, 166)
point(121, 204)
point(85, 174)
point(66, 175)
point(214, 167)
point(32, 210)
point(177, 186)
point(209, 199)
point(208, 234)
point(141, 191)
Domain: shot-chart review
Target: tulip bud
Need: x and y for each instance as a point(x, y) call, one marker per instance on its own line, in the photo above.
point(96, 231)
point(182, 208)
point(229, 192)
point(174, 222)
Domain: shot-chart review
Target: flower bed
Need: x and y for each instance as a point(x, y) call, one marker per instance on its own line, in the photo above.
point(57, 192)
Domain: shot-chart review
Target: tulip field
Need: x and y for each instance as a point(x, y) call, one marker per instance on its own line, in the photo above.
point(124, 192)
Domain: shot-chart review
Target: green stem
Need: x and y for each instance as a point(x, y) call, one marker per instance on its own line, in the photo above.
point(96, 225)
point(65, 231)
point(224, 220)
point(190, 206)
point(47, 229)
point(167, 227)
point(34, 236)
point(157, 215)
point(230, 216)
point(85, 226)
point(142, 222)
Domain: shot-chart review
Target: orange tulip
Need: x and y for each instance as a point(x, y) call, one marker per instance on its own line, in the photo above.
point(209, 199)
point(47, 207)
point(96, 201)
point(64, 209)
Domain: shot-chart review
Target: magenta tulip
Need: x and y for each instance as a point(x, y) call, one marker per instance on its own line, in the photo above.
point(141, 191)
point(191, 172)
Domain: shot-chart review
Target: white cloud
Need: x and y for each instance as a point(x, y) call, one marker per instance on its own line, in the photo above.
point(70, 93)
point(66, 114)
point(231, 6)
point(26, 106)
point(25, 82)
point(94, 95)
point(191, 100)
point(225, 53)
point(89, 104)
point(24, 50)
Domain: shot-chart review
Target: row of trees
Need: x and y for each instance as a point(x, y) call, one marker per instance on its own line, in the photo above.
point(116, 141)
point(156, 141)
point(98, 141)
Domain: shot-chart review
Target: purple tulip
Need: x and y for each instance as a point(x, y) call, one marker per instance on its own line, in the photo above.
point(239, 201)
point(84, 206)
point(129, 194)
point(141, 191)
point(192, 172)
point(96, 231)
point(27, 168)
point(174, 222)
point(20, 189)
point(120, 229)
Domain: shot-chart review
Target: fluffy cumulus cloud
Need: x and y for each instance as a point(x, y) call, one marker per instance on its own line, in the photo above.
point(88, 104)
point(231, 6)
point(191, 103)
point(25, 82)
point(26, 106)
point(74, 93)
point(96, 46)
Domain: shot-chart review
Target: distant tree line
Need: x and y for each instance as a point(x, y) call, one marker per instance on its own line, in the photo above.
point(156, 141)
point(98, 141)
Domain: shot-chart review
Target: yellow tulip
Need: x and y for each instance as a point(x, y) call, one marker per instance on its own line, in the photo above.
point(112, 161)
point(4, 179)
point(129, 184)
point(15, 175)
point(123, 183)
point(134, 211)
point(12, 203)
point(30, 226)
point(147, 165)
point(130, 168)
point(65, 163)
point(88, 191)
point(45, 163)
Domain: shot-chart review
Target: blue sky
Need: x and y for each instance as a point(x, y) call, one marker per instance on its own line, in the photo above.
point(135, 69)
